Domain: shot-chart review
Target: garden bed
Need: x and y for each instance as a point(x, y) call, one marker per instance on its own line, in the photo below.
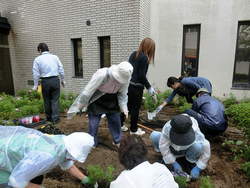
point(222, 171)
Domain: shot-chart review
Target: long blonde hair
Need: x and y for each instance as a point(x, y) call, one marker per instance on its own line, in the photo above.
point(147, 47)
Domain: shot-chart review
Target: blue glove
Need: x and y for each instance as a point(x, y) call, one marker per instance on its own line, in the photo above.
point(195, 173)
point(151, 91)
point(177, 167)
point(158, 109)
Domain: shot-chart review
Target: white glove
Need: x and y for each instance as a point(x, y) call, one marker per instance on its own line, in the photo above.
point(125, 110)
point(158, 109)
point(151, 91)
point(34, 88)
point(63, 84)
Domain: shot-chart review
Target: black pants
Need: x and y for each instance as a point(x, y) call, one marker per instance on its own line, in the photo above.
point(134, 104)
point(37, 180)
point(51, 95)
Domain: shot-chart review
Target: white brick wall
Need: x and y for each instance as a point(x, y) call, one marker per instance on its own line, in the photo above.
point(57, 22)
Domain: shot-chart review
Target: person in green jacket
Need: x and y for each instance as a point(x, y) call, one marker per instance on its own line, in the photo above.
point(26, 154)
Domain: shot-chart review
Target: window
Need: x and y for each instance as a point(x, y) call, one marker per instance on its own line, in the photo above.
point(241, 77)
point(105, 52)
point(190, 52)
point(78, 57)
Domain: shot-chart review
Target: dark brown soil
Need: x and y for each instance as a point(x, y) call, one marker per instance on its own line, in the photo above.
point(223, 172)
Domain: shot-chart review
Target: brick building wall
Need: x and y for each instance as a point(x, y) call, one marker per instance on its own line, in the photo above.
point(56, 23)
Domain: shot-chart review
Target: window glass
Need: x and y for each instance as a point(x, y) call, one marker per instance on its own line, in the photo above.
point(191, 40)
point(78, 56)
point(105, 52)
point(242, 58)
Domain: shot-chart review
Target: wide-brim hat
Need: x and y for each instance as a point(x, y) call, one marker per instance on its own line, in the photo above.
point(79, 144)
point(122, 72)
point(181, 132)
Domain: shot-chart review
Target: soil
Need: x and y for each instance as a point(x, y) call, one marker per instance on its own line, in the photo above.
point(222, 171)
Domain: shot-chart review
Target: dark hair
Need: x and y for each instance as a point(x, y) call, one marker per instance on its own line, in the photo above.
point(43, 47)
point(201, 93)
point(147, 47)
point(132, 151)
point(172, 80)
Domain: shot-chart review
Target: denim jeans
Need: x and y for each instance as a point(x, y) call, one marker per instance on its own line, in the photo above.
point(190, 153)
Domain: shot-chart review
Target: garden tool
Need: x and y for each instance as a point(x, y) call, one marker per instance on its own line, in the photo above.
point(154, 97)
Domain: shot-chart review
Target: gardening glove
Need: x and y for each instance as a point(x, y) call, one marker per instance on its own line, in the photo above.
point(158, 109)
point(195, 173)
point(63, 84)
point(177, 167)
point(125, 110)
point(85, 181)
point(151, 91)
point(35, 88)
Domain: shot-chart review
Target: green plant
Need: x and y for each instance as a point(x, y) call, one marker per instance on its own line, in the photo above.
point(149, 103)
point(240, 114)
point(206, 182)
point(240, 150)
point(181, 181)
point(22, 92)
point(230, 100)
point(96, 174)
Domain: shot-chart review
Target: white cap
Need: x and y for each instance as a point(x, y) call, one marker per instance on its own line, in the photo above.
point(122, 72)
point(79, 144)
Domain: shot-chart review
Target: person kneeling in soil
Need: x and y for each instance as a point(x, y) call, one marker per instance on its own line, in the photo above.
point(133, 155)
point(106, 93)
point(181, 137)
point(26, 154)
point(209, 112)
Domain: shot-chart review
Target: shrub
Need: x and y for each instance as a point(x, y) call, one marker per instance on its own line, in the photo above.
point(240, 114)
point(231, 100)
point(97, 175)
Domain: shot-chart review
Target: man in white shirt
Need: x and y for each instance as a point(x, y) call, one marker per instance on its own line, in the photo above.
point(48, 67)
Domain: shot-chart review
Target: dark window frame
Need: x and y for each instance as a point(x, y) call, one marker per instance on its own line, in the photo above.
point(75, 49)
point(240, 85)
point(198, 29)
point(102, 39)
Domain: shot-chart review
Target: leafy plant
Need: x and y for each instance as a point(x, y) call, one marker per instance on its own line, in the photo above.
point(96, 174)
point(181, 181)
point(230, 100)
point(206, 182)
point(240, 150)
point(240, 114)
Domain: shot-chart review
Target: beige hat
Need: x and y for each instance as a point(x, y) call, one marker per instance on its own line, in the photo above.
point(122, 72)
point(79, 144)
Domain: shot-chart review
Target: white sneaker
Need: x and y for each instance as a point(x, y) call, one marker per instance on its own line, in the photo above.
point(117, 145)
point(124, 128)
point(138, 132)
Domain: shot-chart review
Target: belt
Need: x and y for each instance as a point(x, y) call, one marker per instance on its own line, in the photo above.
point(48, 77)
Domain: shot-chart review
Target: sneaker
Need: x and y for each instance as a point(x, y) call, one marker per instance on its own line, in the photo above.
point(124, 128)
point(117, 145)
point(138, 132)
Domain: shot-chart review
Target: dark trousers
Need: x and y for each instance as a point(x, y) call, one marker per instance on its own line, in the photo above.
point(134, 104)
point(113, 123)
point(51, 95)
point(203, 127)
